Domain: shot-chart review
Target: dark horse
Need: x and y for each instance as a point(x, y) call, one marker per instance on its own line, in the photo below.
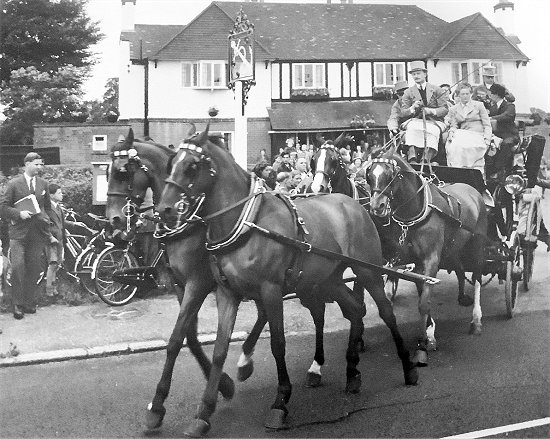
point(442, 228)
point(247, 263)
point(138, 165)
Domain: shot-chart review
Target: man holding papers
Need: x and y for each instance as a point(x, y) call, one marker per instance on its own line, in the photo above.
point(24, 205)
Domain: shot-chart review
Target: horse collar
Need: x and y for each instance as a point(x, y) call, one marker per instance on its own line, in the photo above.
point(424, 213)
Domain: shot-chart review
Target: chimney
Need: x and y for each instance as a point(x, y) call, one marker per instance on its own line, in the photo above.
point(128, 15)
point(504, 18)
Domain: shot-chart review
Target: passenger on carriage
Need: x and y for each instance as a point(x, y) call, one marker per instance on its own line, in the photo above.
point(503, 121)
point(396, 114)
point(481, 92)
point(447, 89)
point(424, 102)
point(470, 132)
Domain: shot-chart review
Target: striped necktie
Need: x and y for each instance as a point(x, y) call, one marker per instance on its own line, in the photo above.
point(31, 184)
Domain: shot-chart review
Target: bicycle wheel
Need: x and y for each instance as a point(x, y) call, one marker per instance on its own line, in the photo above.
point(532, 227)
point(513, 273)
point(109, 261)
point(83, 268)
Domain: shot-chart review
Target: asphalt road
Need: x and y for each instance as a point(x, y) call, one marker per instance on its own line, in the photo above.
point(472, 383)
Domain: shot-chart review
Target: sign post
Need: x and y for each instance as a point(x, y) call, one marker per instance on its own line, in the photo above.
point(241, 77)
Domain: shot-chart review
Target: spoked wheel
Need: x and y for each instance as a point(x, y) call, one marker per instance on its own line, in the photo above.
point(83, 268)
point(532, 227)
point(109, 261)
point(513, 275)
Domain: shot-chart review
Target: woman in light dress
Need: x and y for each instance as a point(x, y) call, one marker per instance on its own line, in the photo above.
point(470, 132)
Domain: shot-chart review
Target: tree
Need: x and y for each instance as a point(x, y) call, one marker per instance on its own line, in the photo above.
point(45, 34)
point(99, 109)
point(33, 96)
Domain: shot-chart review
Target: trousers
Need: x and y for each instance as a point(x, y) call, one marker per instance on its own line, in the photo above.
point(28, 262)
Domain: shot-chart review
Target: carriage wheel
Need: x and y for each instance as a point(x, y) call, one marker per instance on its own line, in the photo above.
point(513, 272)
point(83, 269)
point(109, 261)
point(532, 227)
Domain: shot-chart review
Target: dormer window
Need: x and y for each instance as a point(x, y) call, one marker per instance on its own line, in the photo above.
point(308, 76)
point(203, 74)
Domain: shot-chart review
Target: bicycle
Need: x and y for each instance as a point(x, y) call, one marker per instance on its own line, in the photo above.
point(82, 249)
point(120, 272)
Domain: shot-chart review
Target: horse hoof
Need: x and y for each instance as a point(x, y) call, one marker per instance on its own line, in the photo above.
point(411, 377)
point(245, 372)
point(276, 419)
point(153, 420)
point(420, 358)
point(313, 379)
point(431, 345)
point(197, 428)
point(475, 328)
point(465, 300)
point(227, 386)
point(354, 384)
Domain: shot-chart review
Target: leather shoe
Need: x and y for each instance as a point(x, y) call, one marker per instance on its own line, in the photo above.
point(29, 309)
point(18, 313)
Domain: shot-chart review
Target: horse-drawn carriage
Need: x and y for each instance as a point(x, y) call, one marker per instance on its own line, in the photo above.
point(258, 243)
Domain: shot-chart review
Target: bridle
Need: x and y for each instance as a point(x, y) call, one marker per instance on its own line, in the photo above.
point(395, 174)
point(329, 175)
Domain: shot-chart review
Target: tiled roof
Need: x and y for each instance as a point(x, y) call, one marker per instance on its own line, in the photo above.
point(153, 37)
point(296, 116)
point(475, 37)
point(292, 31)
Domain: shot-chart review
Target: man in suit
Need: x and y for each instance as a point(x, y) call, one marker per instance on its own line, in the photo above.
point(503, 120)
point(28, 233)
point(430, 100)
point(481, 92)
point(57, 230)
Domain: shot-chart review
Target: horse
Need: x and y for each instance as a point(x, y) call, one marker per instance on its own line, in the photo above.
point(253, 235)
point(330, 175)
point(440, 227)
point(138, 165)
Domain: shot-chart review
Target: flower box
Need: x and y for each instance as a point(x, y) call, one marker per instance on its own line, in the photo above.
point(309, 94)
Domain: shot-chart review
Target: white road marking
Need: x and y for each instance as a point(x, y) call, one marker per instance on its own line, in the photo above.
point(501, 430)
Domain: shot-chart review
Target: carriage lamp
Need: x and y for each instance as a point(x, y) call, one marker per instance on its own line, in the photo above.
point(515, 184)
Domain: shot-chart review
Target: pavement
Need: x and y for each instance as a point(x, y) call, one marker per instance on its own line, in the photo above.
point(62, 332)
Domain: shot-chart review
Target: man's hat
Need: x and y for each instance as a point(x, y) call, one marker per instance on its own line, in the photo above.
point(400, 85)
point(31, 156)
point(416, 66)
point(489, 71)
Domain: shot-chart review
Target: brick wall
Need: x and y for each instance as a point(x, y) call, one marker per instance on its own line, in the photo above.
point(258, 139)
point(75, 140)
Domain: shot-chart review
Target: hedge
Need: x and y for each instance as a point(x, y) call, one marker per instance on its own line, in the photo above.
point(75, 181)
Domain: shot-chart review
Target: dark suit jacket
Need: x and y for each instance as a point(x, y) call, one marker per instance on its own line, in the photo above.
point(38, 225)
point(57, 224)
point(436, 97)
point(505, 117)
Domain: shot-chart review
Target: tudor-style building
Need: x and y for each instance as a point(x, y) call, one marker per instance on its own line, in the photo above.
point(317, 67)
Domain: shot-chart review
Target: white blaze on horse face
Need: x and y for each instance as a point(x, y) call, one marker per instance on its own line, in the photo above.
point(319, 177)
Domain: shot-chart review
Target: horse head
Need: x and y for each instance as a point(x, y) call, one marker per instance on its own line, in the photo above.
point(383, 177)
point(325, 164)
point(191, 175)
point(136, 167)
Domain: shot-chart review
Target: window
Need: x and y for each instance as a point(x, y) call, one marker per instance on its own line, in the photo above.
point(99, 143)
point(308, 76)
point(387, 74)
point(472, 71)
point(204, 74)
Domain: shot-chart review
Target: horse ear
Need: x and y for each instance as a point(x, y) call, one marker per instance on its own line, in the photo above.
point(130, 137)
point(192, 130)
point(202, 138)
point(339, 140)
